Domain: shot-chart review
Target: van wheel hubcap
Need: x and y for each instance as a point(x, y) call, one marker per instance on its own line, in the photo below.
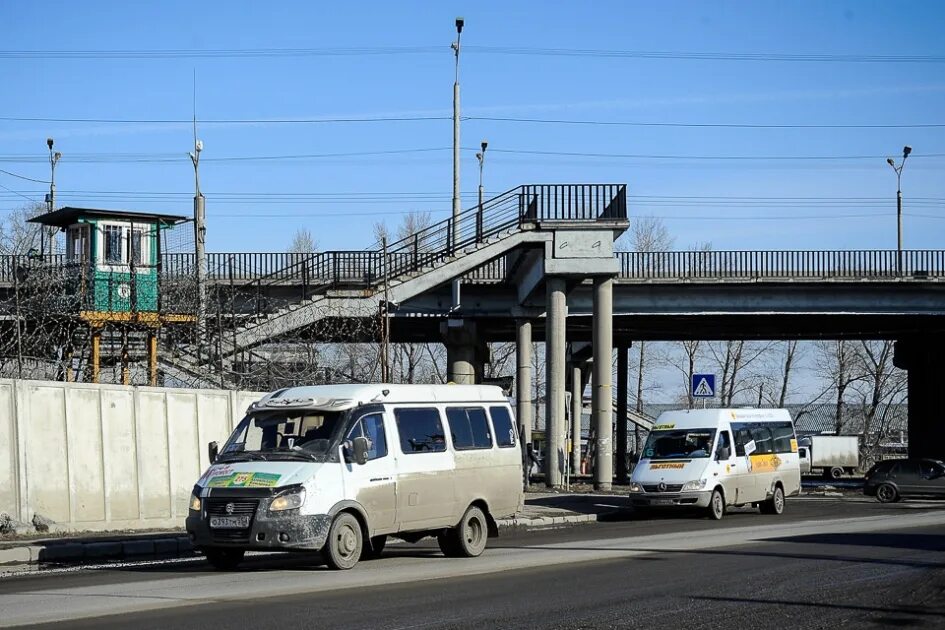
point(778, 500)
point(473, 532)
point(347, 541)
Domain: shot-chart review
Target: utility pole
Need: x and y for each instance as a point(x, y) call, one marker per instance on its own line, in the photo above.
point(906, 150)
point(200, 234)
point(457, 207)
point(51, 197)
point(481, 156)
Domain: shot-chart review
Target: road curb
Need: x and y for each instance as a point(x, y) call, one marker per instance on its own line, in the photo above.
point(180, 546)
point(73, 551)
point(518, 522)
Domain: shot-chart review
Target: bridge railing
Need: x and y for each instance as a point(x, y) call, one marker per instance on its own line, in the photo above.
point(782, 265)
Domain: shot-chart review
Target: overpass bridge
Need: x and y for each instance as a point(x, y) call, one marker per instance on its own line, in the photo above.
point(538, 263)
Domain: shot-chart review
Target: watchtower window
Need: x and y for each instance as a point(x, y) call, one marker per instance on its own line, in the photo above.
point(137, 246)
point(77, 243)
point(112, 240)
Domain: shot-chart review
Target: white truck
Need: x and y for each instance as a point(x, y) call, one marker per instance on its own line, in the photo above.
point(832, 455)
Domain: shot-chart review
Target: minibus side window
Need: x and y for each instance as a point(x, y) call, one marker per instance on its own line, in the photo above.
point(469, 427)
point(783, 434)
point(742, 437)
point(504, 429)
point(724, 442)
point(764, 444)
point(371, 427)
point(420, 430)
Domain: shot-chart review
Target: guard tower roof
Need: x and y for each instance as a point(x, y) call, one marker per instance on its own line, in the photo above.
point(64, 217)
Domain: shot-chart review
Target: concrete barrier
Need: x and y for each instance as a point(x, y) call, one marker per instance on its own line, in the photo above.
point(107, 457)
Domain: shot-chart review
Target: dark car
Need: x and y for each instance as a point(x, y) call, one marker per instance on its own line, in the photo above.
point(894, 479)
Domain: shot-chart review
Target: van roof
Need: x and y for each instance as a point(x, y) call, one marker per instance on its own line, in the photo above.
point(348, 396)
point(694, 418)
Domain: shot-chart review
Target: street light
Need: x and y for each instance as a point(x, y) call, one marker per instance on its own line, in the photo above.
point(454, 236)
point(51, 197)
point(481, 156)
point(906, 150)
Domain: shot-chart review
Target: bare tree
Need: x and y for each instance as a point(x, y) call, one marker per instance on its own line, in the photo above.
point(790, 356)
point(17, 234)
point(691, 351)
point(734, 359)
point(837, 366)
point(302, 242)
point(880, 387)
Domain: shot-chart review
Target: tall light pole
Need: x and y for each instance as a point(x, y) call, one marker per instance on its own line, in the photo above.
point(481, 156)
point(906, 150)
point(200, 234)
point(456, 201)
point(51, 197)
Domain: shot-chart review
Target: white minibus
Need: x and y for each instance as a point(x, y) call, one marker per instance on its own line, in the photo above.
point(714, 458)
point(339, 468)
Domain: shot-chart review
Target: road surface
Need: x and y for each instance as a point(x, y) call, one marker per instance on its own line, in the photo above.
point(826, 563)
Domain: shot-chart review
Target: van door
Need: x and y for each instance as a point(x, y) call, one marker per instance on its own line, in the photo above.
point(425, 493)
point(372, 484)
point(744, 482)
point(724, 466)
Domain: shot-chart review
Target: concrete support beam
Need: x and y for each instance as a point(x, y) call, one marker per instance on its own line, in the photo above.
point(577, 394)
point(602, 400)
point(922, 358)
point(464, 357)
point(623, 360)
point(523, 379)
point(556, 305)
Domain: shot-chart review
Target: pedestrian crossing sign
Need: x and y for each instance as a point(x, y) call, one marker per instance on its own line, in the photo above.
point(703, 385)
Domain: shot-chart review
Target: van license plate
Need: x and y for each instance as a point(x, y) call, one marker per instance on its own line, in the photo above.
point(662, 501)
point(229, 522)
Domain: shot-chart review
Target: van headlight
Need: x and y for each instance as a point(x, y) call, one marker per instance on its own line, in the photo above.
point(194, 502)
point(288, 500)
point(689, 486)
point(635, 487)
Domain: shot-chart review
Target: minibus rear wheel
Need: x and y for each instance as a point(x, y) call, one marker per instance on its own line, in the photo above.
point(774, 505)
point(468, 539)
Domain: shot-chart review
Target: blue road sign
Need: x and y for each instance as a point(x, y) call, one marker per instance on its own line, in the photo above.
point(703, 385)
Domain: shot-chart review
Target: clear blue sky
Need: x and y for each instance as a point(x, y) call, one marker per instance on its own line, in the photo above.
point(505, 85)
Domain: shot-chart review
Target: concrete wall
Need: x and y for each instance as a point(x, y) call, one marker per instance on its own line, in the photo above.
point(97, 457)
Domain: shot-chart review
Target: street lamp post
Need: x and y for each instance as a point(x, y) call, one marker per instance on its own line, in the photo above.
point(906, 150)
point(481, 156)
point(51, 197)
point(454, 231)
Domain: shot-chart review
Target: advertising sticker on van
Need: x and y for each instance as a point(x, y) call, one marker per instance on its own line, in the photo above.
point(245, 480)
point(663, 427)
point(667, 465)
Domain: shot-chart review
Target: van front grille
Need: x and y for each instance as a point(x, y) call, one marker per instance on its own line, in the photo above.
point(654, 487)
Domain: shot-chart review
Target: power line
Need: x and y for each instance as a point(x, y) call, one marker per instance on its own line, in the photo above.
point(703, 56)
point(19, 194)
point(29, 179)
point(175, 157)
point(625, 123)
point(226, 121)
point(216, 53)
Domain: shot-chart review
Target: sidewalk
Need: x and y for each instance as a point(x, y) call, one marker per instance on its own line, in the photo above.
point(541, 510)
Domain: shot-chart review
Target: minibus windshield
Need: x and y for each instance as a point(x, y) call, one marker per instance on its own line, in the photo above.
point(284, 434)
point(679, 443)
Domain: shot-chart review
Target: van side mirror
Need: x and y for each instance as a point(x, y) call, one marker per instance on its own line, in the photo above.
point(724, 452)
point(360, 446)
point(213, 450)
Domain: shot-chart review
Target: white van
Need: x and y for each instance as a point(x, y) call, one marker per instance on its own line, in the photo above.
point(713, 458)
point(338, 468)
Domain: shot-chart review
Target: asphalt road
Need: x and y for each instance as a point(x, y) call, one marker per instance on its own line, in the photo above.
point(827, 563)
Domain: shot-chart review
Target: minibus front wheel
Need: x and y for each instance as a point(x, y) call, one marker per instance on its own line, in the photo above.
point(342, 550)
point(224, 559)
point(716, 505)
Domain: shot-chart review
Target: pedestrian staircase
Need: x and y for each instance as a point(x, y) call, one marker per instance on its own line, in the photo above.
point(357, 284)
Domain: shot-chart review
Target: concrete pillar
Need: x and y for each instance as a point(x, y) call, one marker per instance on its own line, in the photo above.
point(523, 379)
point(556, 314)
point(623, 356)
point(459, 337)
point(577, 394)
point(922, 357)
point(602, 402)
